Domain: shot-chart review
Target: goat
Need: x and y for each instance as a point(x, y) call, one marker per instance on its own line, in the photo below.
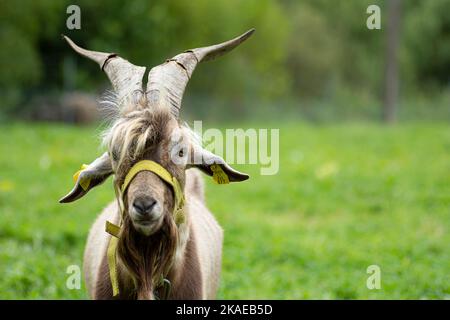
point(161, 240)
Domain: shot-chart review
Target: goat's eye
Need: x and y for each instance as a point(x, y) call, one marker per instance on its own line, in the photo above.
point(181, 153)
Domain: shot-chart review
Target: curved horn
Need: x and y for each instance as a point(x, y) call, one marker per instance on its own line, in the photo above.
point(124, 76)
point(166, 82)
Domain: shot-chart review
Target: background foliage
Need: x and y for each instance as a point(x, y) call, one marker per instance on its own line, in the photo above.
point(312, 58)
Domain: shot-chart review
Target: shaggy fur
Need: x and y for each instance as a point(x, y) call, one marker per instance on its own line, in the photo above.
point(147, 259)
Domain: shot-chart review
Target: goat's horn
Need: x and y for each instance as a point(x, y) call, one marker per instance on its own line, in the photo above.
point(166, 82)
point(124, 76)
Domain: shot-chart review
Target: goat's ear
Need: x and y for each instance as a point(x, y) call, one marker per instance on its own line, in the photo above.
point(91, 176)
point(215, 166)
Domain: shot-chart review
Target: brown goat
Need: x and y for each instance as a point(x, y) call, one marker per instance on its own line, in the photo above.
point(155, 246)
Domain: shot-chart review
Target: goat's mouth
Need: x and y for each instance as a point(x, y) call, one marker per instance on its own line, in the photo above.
point(144, 222)
point(147, 227)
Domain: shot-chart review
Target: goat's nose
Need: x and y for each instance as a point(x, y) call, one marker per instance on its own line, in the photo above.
point(144, 205)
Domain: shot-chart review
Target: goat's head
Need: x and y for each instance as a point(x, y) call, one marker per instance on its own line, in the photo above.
point(153, 135)
point(147, 127)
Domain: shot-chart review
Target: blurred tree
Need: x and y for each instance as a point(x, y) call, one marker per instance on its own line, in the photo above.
point(313, 51)
point(427, 42)
point(22, 27)
point(391, 68)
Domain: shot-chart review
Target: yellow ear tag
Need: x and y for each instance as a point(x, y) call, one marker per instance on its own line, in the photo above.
point(219, 176)
point(84, 183)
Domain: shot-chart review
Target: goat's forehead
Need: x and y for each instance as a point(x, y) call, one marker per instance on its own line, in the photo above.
point(136, 127)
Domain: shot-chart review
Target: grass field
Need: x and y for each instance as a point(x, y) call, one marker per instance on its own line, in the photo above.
point(346, 197)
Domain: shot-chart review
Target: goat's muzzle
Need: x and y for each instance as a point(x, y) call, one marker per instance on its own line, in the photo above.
point(146, 214)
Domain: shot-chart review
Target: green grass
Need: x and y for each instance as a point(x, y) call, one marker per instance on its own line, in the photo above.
point(346, 197)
